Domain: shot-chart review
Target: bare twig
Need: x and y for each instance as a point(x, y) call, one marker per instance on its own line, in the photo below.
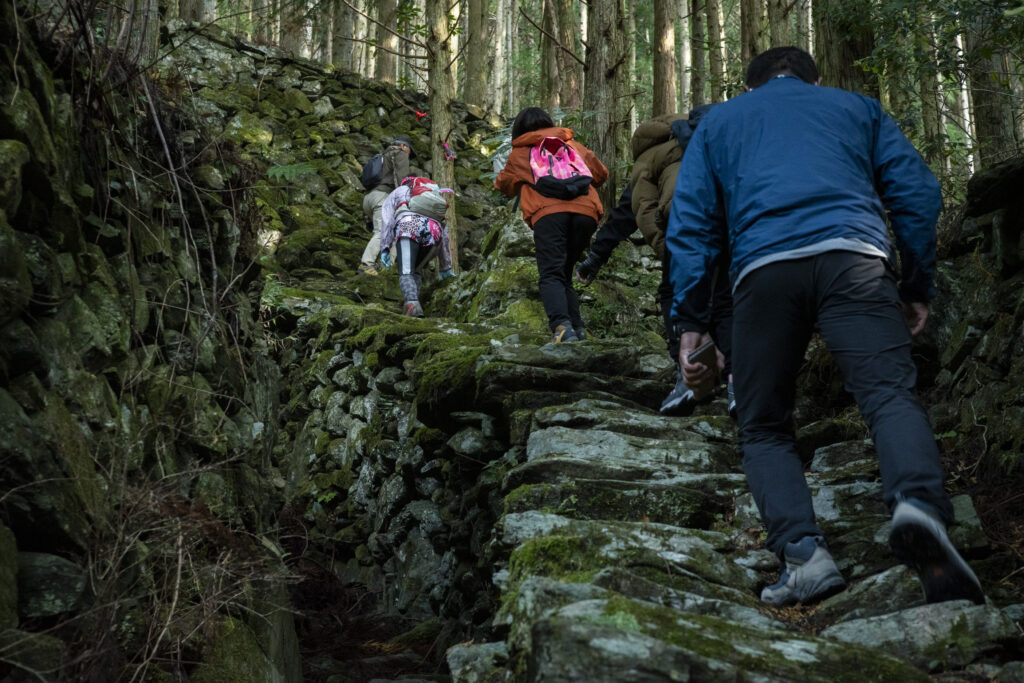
point(170, 612)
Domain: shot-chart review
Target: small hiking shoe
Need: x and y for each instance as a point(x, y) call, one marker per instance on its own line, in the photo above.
point(564, 333)
point(413, 309)
point(681, 401)
point(730, 396)
point(364, 269)
point(587, 270)
point(810, 575)
point(919, 540)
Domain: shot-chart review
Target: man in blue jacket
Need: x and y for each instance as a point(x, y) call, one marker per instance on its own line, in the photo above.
point(798, 181)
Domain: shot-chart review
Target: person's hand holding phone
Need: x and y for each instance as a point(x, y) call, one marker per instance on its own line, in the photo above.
point(698, 361)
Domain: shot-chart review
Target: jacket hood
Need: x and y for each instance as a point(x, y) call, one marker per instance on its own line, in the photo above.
point(653, 132)
point(534, 136)
point(682, 130)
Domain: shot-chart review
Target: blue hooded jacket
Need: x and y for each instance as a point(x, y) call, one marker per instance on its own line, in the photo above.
point(790, 165)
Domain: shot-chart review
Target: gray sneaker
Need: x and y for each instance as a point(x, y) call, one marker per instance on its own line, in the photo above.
point(730, 395)
point(680, 402)
point(919, 539)
point(810, 574)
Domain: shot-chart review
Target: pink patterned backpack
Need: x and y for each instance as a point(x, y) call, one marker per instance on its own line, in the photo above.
point(558, 171)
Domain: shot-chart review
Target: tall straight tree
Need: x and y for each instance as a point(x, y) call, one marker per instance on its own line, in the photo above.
point(550, 87)
point(605, 55)
point(698, 45)
point(569, 62)
point(477, 49)
point(843, 34)
point(683, 61)
point(928, 77)
point(752, 41)
point(804, 38)
point(716, 45)
point(991, 95)
point(664, 57)
point(441, 84)
point(625, 82)
point(387, 41)
point(778, 22)
point(496, 85)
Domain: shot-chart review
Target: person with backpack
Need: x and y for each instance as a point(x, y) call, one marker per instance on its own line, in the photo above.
point(413, 218)
point(803, 184)
point(658, 146)
point(555, 179)
point(382, 174)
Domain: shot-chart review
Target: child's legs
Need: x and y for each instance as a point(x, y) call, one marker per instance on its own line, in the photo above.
point(549, 239)
point(408, 255)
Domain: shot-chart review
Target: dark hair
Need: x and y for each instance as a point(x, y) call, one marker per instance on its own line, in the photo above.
point(781, 60)
point(530, 119)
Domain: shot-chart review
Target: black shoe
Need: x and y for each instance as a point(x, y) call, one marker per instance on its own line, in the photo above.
point(587, 270)
point(919, 540)
point(581, 335)
point(680, 402)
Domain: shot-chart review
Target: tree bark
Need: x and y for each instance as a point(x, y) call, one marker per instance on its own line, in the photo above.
point(751, 29)
point(387, 41)
point(441, 83)
point(683, 44)
point(698, 44)
point(550, 87)
point(496, 86)
point(991, 97)
point(604, 58)
point(778, 22)
point(842, 35)
point(568, 29)
point(664, 57)
point(625, 83)
point(804, 37)
point(293, 28)
point(716, 58)
point(478, 44)
point(928, 76)
point(342, 36)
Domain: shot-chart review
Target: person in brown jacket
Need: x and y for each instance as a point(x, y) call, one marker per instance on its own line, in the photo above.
point(561, 227)
point(658, 146)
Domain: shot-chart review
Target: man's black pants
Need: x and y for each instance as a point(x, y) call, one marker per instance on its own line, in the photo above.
point(852, 301)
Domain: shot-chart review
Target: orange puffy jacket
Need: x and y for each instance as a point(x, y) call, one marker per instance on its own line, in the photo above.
point(517, 178)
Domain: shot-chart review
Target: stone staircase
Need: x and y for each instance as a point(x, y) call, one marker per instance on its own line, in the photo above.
point(629, 550)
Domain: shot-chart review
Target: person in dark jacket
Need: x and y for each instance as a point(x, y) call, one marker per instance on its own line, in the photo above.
point(798, 181)
point(561, 227)
point(394, 169)
point(658, 146)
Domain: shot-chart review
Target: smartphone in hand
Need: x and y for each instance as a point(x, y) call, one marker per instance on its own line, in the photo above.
point(706, 354)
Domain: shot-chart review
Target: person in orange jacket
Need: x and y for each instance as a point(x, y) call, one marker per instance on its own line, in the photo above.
point(562, 227)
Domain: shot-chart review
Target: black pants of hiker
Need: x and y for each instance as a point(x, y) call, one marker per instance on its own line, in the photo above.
point(620, 225)
point(721, 311)
point(852, 301)
point(559, 239)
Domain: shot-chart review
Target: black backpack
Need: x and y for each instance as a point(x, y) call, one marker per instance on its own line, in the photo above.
point(373, 172)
